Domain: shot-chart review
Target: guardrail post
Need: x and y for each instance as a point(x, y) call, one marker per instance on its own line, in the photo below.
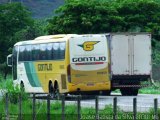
point(156, 109)
point(115, 108)
point(97, 107)
point(48, 107)
point(134, 108)
point(63, 107)
point(20, 106)
point(7, 111)
point(79, 107)
point(34, 107)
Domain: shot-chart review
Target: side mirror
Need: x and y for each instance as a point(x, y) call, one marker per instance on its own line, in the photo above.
point(9, 60)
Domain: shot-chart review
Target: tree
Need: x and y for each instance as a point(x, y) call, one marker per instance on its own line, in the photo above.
point(140, 16)
point(87, 16)
point(13, 18)
point(102, 16)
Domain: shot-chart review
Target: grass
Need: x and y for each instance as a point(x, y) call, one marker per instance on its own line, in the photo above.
point(150, 90)
point(146, 90)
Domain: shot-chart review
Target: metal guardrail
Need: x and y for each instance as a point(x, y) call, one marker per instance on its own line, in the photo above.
point(78, 98)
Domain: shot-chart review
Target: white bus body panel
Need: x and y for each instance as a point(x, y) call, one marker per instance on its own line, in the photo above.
point(22, 76)
point(77, 51)
point(131, 54)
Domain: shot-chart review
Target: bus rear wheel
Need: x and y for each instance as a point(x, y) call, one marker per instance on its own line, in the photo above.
point(51, 90)
point(57, 94)
point(54, 91)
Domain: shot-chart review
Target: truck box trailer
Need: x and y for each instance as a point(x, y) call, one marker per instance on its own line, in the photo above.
point(130, 55)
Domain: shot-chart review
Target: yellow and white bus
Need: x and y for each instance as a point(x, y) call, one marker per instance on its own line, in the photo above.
point(62, 64)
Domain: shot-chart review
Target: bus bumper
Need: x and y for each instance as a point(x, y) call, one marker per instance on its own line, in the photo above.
point(89, 86)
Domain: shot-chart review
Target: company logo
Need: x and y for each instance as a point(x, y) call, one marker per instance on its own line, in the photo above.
point(88, 45)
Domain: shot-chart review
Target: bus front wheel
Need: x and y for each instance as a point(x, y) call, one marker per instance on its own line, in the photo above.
point(22, 87)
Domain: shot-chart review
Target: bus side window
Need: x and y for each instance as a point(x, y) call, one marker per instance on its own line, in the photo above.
point(21, 53)
point(56, 51)
point(43, 52)
point(49, 51)
point(28, 53)
point(35, 52)
point(62, 50)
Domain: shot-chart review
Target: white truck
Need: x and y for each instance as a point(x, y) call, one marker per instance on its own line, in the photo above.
point(130, 55)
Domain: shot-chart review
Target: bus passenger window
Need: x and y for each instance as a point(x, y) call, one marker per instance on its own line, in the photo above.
point(62, 50)
point(43, 52)
point(49, 51)
point(35, 52)
point(28, 53)
point(56, 51)
point(21, 53)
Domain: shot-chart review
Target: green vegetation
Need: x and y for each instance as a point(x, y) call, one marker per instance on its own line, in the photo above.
point(70, 112)
point(149, 90)
point(16, 24)
point(146, 90)
point(103, 16)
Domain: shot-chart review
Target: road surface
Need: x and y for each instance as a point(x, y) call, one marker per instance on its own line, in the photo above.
point(144, 102)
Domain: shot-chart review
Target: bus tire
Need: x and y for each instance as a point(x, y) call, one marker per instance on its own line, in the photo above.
point(22, 89)
point(57, 94)
point(51, 90)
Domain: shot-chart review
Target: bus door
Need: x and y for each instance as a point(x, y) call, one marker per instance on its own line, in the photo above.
point(14, 69)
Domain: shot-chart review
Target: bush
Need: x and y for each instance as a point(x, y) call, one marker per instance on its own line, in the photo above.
point(13, 92)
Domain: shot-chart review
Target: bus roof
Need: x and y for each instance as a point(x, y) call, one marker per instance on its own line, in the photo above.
point(47, 38)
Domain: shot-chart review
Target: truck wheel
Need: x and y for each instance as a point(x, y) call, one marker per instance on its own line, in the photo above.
point(129, 91)
point(106, 92)
point(123, 91)
point(135, 91)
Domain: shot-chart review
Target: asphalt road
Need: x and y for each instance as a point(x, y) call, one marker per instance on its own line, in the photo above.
point(144, 102)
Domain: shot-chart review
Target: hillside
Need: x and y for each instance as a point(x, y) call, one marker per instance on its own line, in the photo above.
point(39, 8)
